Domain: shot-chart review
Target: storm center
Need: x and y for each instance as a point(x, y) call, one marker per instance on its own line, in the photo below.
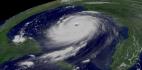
point(73, 29)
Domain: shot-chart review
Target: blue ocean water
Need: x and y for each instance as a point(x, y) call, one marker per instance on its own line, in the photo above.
point(11, 65)
point(43, 20)
point(102, 60)
point(138, 64)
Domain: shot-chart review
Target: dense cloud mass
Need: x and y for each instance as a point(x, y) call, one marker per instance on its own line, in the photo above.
point(67, 33)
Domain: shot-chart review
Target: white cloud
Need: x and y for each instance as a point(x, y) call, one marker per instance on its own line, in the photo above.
point(19, 39)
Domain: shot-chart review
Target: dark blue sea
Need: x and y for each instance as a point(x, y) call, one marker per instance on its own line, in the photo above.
point(44, 20)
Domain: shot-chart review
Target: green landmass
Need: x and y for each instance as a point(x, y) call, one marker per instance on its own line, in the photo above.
point(65, 65)
point(125, 12)
point(10, 51)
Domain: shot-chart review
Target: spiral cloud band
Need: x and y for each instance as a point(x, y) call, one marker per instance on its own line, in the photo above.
point(73, 32)
point(73, 29)
point(68, 33)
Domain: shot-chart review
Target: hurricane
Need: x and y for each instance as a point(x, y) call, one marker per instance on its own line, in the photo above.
point(67, 33)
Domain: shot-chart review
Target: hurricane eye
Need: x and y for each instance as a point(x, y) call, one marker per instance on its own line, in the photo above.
point(66, 27)
point(85, 35)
